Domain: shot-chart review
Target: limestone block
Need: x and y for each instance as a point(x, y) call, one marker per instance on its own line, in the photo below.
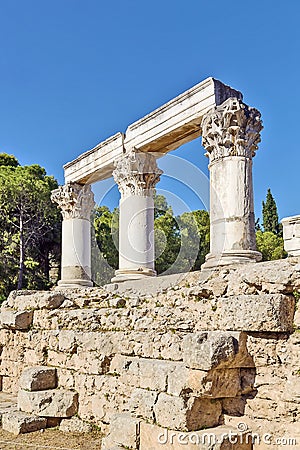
point(268, 350)
point(35, 300)
point(213, 384)
point(58, 359)
point(45, 321)
point(65, 378)
point(142, 372)
point(10, 384)
point(49, 403)
point(178, 413)
point(142, 403)
point(67, 341)
point(264, 312)
point(153, 437)
point(270, 277)
point(124, 432)
point(18, 422)
point(16, 320)
point(117, 302)
point(153, 373)
point(90, 363)
point(75, 425)
point(38, 378)
point(291, 235)
point(292, 388)
point(208, 350)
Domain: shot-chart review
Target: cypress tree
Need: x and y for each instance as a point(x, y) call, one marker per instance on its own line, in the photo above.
point(270, 214)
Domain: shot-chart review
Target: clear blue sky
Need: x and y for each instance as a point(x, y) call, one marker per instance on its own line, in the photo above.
point(74, 72)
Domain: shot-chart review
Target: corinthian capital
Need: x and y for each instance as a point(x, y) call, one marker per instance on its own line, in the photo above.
point(231, 129)
point(74, 200)
point(137, 174)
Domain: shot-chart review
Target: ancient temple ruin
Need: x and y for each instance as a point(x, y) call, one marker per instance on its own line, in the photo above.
point(230, 133)
point(206, 361)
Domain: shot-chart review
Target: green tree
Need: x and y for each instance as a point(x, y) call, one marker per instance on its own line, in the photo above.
point(270, 214)
point(8, 160)
point(194, 229)
point(105, 254)
point(30, 225)
point(167, 241)
point(181, 243)
point(270, 245)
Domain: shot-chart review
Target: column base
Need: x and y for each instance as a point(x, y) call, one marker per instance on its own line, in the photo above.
point(132, 274)
point(74, 284)
point(231, 257)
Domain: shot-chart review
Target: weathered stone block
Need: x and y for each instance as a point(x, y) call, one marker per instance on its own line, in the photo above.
point(208, 350)
point(186, 414)
point(50, 403)
point(38, 378)
point(213, 384)
point(263, 312)
point(16, 320)
point(142, 372)
point(142, 403)
point(124, 432)
point(18, 422)
point(34, 300)
point(75, 425)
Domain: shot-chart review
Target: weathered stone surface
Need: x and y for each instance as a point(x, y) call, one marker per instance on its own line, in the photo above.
point(50, 403)
point(186, 414)
point(291, 235)
point(15, 320)
point(266, 312)
point(153, 437)
point(125, 359)
point(124, 432)
point(33, 300)
point(38, 378)
point(208, 350)
point(19, 422)
point(75, 425)
point(213, 384)
point(8, 403)
point(142, 403)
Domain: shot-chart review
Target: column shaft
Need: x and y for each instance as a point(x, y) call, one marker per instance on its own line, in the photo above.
point(76, 203)
point(230, 136)
point(136, 175)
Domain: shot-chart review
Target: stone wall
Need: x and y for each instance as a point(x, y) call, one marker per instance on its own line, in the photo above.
point(216, 352)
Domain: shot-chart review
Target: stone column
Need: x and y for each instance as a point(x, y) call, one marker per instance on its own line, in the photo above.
point(230, 135)
point(76, 203)
point(136, 175)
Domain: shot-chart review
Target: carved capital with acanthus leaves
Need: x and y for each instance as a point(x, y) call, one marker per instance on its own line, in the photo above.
point(231, 129)
point(137, 174)
point(74, 200)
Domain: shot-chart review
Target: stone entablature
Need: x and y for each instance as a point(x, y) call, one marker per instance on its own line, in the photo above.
point(163, 130)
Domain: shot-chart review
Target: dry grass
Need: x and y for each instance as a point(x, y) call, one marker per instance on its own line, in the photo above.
point(50, 439)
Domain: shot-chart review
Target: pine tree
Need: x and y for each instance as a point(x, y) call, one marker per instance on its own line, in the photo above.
point(270, 215)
